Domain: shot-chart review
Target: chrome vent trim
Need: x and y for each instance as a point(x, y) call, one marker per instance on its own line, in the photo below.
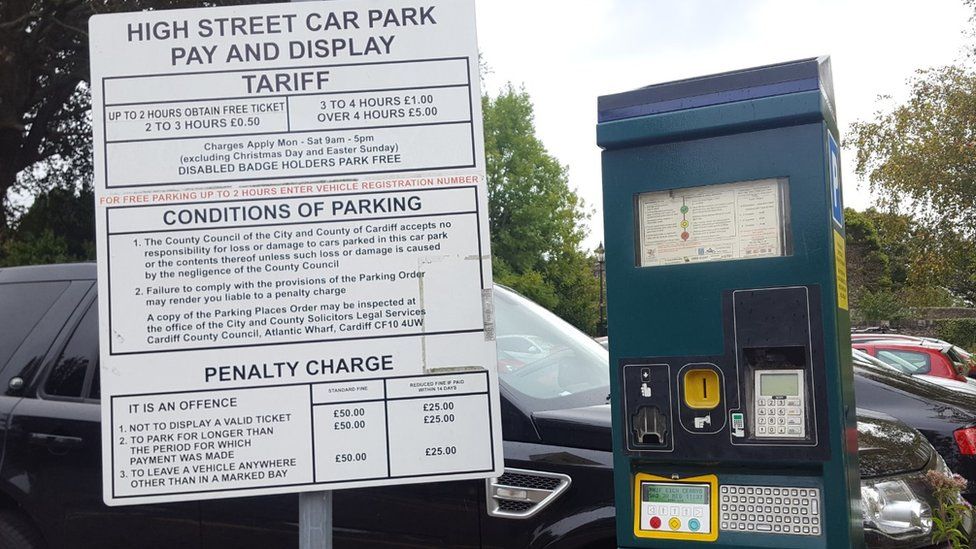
point(520, 494)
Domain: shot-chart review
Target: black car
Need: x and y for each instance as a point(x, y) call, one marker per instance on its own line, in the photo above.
point(556, 491)
point(945, 416)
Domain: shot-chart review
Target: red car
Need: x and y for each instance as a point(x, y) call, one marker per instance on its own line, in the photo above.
point(927, 358)
point(956, 353)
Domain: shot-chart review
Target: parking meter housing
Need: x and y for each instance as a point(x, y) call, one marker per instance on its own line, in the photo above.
point(731, 381)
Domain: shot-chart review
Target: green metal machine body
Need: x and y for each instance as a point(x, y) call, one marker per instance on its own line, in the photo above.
point(733, 412)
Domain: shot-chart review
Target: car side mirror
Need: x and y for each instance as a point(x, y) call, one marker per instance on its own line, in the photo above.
point(15, 384)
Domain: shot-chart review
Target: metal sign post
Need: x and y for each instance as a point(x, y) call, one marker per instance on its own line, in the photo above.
point(314, 508)
point(315, 520)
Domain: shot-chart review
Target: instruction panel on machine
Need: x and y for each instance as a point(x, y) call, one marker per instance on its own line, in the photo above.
point(294, 268)
point(743, 220)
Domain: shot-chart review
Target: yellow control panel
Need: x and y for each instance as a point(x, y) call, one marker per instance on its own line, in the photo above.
point(668, 508)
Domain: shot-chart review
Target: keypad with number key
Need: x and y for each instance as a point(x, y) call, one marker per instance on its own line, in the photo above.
point(770, 510)
point(780, 417)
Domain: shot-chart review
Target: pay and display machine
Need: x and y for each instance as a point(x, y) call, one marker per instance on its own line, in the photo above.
point(733, 410)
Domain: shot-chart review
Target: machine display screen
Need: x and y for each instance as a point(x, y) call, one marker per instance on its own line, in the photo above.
point(779, 384)
point(674, 493)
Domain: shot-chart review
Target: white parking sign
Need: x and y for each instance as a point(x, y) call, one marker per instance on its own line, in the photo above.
point(294, 265)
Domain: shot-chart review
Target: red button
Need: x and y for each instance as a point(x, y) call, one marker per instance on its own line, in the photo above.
point(655, 522)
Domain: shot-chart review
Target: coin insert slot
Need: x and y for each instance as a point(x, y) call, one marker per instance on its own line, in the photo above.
point(702, 389)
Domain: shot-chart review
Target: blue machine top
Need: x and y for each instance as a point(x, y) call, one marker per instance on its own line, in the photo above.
point(727, 87)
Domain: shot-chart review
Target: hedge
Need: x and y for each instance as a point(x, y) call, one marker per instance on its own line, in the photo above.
point(958, 331)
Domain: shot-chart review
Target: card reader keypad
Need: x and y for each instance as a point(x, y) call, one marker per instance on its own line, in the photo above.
point(770, 510)
point(779, 417)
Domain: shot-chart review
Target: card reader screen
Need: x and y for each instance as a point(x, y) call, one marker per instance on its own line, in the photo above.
point(779, 384)
point(674, 493)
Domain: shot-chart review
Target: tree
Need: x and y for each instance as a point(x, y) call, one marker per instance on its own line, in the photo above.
point(44, 98)
point(868, 267)
point(920, 157)
point(894, 260)
point(536, 219)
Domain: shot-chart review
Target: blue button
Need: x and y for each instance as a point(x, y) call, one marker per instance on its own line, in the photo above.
point(694, 525)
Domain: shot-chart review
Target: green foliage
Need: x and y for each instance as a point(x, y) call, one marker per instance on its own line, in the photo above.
point(59, 227)
point(951, 510)
point(895, 236)
point(881, 305)
point(45, 248)
point(868, 266)
point(960, 272)
point(536, 218)
point(928, 296)
point(921, 155)
point(920, 158)
point(45, 103)
point(958, 331)
point(895, 253)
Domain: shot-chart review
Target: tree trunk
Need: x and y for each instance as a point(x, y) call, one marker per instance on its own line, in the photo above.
point(9, 168)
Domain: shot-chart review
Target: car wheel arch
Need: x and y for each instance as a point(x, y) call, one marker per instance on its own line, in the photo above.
point(598, 531)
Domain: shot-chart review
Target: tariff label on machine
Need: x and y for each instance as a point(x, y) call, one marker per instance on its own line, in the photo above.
point(742, 220)
point(294, 267)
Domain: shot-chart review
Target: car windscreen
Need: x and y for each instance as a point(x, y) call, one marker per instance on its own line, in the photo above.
point(957, 357)
point(546, 361)
point(919, 362)
point(897, 365)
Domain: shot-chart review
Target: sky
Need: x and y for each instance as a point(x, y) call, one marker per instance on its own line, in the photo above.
point(566, 53)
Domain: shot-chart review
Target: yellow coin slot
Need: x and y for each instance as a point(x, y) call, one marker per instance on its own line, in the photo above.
point(702, 389)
